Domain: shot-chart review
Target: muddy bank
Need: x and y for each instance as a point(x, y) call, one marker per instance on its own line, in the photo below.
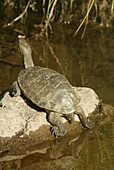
point(99, 14)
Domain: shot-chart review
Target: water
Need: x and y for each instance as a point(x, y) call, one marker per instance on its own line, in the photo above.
point(90, 151)
point(87, 62)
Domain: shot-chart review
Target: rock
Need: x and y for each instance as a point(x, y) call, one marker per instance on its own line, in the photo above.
point(89, 99)
point(16, 116)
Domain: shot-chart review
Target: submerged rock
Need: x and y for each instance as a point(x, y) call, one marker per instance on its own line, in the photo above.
point(17, 117)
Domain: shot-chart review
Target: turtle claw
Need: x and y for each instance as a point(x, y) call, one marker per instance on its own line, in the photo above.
point(15, 89)
point(55, 130)
point(90, 125)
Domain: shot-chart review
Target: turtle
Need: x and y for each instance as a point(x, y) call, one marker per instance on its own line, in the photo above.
point(49, 90)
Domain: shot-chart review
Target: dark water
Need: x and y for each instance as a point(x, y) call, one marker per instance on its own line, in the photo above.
point(88, 62)
point(90, 151)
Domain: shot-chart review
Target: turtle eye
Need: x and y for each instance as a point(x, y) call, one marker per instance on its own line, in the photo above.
point(21, 36)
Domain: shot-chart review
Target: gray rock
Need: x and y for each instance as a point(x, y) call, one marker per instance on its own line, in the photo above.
point(89, 99)
point(16, 116)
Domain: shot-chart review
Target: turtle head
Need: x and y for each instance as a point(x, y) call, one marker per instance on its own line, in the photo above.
point(25, 51)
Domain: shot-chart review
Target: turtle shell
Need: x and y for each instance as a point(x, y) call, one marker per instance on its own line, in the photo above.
point(48, 89)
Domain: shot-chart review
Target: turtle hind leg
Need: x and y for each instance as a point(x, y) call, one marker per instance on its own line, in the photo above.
point(58, 128)
point(70, 117)
point(16, 90)
point(83, 118)
point(86, 123)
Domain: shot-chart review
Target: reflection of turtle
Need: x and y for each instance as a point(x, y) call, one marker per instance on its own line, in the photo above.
point(49, 90)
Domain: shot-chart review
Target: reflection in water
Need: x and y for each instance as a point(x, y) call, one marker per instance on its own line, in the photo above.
point(90, 150)
point(100, 153)
point(56, 58)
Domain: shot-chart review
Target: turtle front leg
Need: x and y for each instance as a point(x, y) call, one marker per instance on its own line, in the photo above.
point(83, 119)
point(58, 128)
point(16, 90)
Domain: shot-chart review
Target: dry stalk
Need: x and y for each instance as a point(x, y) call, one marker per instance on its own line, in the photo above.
point(20, 16)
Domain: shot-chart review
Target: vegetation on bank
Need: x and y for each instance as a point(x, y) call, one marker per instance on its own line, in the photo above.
point(66, 11)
